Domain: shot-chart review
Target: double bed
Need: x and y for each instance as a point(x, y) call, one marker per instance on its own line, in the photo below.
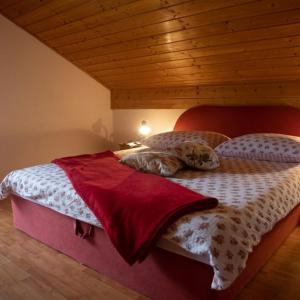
point(204, 255)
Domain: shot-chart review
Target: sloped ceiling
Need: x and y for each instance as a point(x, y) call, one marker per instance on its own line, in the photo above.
point(164, 43)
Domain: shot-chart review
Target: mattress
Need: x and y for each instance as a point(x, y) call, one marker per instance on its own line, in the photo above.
point(253, 197)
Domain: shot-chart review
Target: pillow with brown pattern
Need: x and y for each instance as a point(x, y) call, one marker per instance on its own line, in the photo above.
point(159, 163)
point(197, 156)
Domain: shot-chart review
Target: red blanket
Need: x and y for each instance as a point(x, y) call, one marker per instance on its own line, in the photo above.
point(134, 208)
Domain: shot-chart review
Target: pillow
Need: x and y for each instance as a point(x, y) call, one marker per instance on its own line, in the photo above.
point(197, 156)
point(159, 163)
point(263, 146)
point(169, 140)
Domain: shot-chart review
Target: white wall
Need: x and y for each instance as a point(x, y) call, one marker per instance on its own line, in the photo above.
point(127, 121)
point(48, 107)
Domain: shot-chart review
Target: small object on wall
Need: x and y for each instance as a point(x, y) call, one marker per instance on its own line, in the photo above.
point(129, 145)
point(144, 129)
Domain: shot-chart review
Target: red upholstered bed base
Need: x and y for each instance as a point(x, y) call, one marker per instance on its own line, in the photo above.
point(163, 275)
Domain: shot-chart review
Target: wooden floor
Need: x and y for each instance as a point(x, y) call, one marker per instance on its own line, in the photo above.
point(31, 270)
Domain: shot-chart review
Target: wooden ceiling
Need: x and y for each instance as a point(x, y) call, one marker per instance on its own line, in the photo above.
point(162, 43)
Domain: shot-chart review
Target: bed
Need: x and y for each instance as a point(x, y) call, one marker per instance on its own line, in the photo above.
point(158, 277)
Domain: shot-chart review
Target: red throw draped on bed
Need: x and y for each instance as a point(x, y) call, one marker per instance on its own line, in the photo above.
point(134, 208)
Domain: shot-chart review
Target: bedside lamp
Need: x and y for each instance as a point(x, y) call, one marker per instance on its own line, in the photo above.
point(144, 129)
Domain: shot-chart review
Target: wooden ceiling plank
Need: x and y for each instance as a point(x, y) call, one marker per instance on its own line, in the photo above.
point(201, 81)
point(183, 37)
point(119, 10)
point(165, 19)
point(140, 17)
point(48, 10)
point(84, 9)
point(203, 25)
point(132, 58)
point(231, 94)
point(188, 103)
point(224, 76)
point(125, 17)
point(209, 70)
point(180, 44)
point(203, 71)
point(205, 60)
point(195, 50)
point(4, 4)
point(22, 7)
point(161, 34)
point(92, 8)
point(267, 90)
point(175, 83)
point(95, 36)
point(187, 83)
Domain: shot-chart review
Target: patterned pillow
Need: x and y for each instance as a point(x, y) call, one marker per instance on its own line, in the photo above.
point(197, 156)
point(263, 146)
point(160, 163)
point(169, 140)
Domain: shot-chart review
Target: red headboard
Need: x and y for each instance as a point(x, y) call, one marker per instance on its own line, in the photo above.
point(238, 120)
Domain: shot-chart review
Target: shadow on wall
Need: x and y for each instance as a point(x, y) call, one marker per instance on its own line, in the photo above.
point(21, 150)
point(101, 130)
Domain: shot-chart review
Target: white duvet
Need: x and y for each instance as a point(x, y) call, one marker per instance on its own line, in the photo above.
point(253, 197)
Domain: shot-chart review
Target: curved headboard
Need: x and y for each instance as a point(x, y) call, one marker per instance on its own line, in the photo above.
point(238, 120)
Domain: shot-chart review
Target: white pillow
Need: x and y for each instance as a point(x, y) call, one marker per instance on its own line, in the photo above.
point(169, 140)
point(263, 146)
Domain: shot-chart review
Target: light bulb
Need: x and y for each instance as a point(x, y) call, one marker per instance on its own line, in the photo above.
point(144, 130)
